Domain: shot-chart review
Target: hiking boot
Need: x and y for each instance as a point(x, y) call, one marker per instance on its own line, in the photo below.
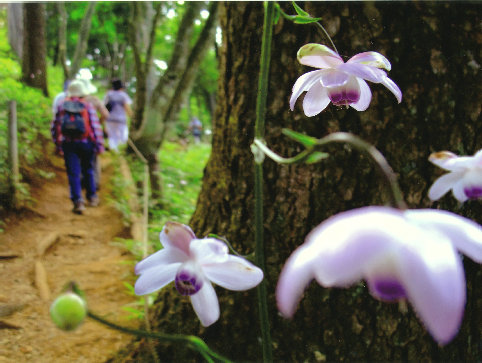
point(93, 201)
point(78, 207)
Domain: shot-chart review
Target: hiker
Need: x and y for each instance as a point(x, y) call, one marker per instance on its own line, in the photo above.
point(102, 113)
point(60, 98)
point(118, 103)
point(195, 126)
point(77, 135)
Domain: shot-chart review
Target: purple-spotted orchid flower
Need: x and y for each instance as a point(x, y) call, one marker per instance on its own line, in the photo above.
point(400, 254)
point(193, 264)
point(339, 82)
point(465, 177)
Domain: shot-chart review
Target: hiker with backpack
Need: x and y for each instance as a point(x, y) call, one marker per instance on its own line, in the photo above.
point(118, 103)
point(77, 135)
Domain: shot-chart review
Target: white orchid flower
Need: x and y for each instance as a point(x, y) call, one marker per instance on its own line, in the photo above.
point(193, 264)
point(465, 177)
point(339, 82)
point(401, 254)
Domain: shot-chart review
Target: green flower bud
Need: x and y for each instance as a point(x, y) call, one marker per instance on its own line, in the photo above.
point(68, 311)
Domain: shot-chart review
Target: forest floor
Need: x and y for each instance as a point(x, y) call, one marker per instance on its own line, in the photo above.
point(52, 247)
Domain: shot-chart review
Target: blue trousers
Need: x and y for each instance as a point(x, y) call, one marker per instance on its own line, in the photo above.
point(79, 162)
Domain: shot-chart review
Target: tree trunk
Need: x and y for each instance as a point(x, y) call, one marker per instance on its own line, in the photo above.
point(34, 57)
point(62, 53)
point(15, 27)
point(82, 39)
point(434, 51)
point(173, 88)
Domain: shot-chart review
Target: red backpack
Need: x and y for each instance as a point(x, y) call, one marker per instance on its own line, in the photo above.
point(74, 119)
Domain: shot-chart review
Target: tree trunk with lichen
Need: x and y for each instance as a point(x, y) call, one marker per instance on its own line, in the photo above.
point(434, 49)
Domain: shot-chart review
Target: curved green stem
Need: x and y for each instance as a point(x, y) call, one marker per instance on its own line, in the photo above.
point(191, 341)
point(355, 141)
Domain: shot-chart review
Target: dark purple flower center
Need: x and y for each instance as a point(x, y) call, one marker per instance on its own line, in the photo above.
point(387, 290)
point(473, 192)
point(343, 97)
point(188, 283)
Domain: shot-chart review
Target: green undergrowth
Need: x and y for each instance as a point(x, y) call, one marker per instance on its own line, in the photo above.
point(181, 168)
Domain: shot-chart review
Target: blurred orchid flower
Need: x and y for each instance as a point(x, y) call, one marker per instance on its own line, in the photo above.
point(193, 264)
point(465, 177)
point(401, 254)
point(339, 82)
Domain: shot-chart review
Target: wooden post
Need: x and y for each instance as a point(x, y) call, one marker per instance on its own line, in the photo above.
point(14, 174)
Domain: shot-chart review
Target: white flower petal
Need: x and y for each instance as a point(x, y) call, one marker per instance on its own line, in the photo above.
point(333, 78)
point(165, 256)
point(205, 304)
point(443, 159)
point(365, 96)
point(209, 250)
point(177, 235)
point(349, 244)
point(443, 184)
point(319, 56)
point(465, 234)
point(433, 278)
point(235, 274)
point(458, 191)
point(155, 278)
point(372, 59)
point(302, 84)
point(371, 74)
point(296, 275)
point(392, 87)
point(316, 100)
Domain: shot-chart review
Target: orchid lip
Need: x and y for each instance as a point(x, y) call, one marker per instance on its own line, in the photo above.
point(344, 97)
point(388, 290)
point(473, 192)
point(188, 283)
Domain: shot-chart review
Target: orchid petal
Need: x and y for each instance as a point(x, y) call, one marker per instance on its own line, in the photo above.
point(443, 159)
point(371, 74)
point(316, 100)
point(318, 56)
point(155, 278)
point(209, 250)
point(372, 59)
point(365, 96)
point(465, 234)
point(177, 235)
point(392, 87)
point(206, 305)
point(433, 277)
point(302, 84)
point(166, 256)
point(442, 185)
point(333, 78)
point(458, 191)
point(235, 274)
point(350, 244)
point(294, 278)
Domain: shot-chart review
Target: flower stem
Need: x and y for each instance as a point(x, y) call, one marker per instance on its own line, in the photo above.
point(258, 179)
point(358, 143)
point(191, 341)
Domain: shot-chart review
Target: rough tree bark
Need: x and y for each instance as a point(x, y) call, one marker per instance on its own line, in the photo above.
point(434, 49)
point(172, 89)
point(34, 54)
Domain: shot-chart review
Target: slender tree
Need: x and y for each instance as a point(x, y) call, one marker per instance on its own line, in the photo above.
point(62, 36)
point(34, 54)
point(173, 88)
point(433, 48)
point(15, 27)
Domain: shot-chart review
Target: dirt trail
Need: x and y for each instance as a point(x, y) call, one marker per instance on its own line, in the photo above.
point(82, 251)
